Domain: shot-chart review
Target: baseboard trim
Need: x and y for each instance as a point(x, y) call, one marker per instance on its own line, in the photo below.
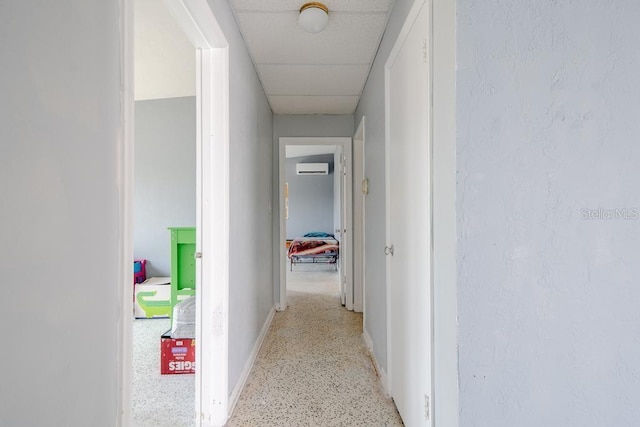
point(368, 342)
point(244, 375)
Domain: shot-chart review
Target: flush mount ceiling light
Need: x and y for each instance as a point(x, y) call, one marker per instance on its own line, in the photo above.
point(314, 17)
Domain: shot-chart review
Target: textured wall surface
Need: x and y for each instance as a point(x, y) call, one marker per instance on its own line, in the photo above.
point(310, 198)
point(548, 144)
point(165, 177)
point(59, 130)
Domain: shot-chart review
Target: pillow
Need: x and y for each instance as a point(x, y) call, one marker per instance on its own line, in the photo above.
point(318, 234)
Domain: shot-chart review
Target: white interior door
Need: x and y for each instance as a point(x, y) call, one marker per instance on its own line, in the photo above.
point(358, 218)
point(409, 222)
point(338, 217)
point(343, 208)
point(346, 254)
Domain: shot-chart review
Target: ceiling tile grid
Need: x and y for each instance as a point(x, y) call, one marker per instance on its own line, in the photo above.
point(313, 79)
point(304, 73)
point(313, 104)
point(276, 38)
point(333, 5)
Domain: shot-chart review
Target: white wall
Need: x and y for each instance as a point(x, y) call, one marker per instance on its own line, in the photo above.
point(59, 124)
point(300, 125)
point(310, 198)
point(165, 177)
point(251, 152)
point(547, 119)
point(372, 106)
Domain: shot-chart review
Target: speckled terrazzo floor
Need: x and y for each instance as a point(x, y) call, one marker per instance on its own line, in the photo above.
point(313, 368)
point(158, 400)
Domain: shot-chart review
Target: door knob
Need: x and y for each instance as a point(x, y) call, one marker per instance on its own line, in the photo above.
point(197, 255)
point(388, 250)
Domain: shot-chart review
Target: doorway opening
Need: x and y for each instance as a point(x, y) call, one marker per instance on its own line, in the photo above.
point(163, 390)
point(196, 20)
point(312, 207)
point(316, 211)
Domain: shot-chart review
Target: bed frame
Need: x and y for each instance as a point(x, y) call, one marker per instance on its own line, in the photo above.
point(324, 258)
point(314, 248)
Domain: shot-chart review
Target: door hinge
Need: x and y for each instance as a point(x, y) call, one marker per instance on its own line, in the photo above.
point(427, 411)
point(365, 186)
point(217, 320)
point(424, 51)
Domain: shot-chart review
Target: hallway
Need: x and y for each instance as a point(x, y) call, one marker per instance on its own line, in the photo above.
point(313, 368)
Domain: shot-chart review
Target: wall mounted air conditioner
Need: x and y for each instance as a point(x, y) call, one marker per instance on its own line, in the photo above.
point(312, 168)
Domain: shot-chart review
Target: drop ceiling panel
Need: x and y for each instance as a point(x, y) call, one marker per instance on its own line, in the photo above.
point(283, 54)
point(313, 79)
point(333, 5)
point(276, 38)
point(313, 104)
point(305, 73)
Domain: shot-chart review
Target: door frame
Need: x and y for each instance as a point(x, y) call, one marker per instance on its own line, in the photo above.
point(359, 235)
point(426, 385)
point(444, 401)
point(212, 217)
point(345, 184)
point(345, 142)
point(339, 216)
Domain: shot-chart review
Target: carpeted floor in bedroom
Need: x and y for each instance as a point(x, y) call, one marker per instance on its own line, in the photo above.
point(158, 400)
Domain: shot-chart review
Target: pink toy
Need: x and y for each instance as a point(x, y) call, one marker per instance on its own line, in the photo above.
point(139, 271)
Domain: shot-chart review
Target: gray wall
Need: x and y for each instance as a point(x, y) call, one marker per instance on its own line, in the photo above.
point(251, 174)
point(300, 125)
point(165, 177)
point(372, 106)
point(59, 127)
point(310, 198)
point(548, 129)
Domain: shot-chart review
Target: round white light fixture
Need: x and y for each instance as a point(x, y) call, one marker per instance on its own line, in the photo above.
point(314, 17)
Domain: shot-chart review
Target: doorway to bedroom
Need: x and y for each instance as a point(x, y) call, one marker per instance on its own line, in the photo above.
point(315, 219)
point(312, 210)
point(165, 203)
point(209, 398)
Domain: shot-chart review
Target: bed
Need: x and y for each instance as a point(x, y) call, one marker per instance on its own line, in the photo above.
point(314, 248)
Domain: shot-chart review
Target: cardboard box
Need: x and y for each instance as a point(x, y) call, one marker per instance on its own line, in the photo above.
point(152, 298)
point(177, 355)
